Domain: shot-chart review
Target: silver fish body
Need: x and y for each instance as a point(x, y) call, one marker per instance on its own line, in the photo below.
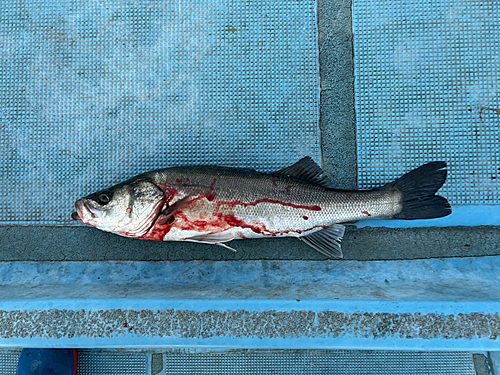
point(215, 205)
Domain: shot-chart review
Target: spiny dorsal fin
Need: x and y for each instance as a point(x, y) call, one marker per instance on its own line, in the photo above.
point(305, 169)
point(326, 241)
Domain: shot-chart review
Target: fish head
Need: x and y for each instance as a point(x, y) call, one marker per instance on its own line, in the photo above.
point(128, 209)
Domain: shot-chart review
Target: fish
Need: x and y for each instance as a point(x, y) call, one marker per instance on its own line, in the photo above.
point(216, 205)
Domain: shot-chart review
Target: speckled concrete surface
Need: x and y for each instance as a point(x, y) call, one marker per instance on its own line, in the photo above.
point(187, 324)
point(337, 116)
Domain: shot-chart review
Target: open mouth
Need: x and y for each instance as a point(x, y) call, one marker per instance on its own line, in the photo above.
point(75, 217)
point(85, 211)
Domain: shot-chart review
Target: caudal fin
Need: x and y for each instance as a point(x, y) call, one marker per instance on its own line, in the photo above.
point(419, 188)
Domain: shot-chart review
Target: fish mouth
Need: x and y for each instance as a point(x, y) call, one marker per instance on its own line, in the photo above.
point(85, 211)
point(76, 217)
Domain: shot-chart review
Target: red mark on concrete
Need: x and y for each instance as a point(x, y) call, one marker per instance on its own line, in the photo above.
point(305, 217)
point(366, 213)
point(488, 109)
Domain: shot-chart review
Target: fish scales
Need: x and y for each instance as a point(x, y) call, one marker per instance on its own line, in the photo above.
point(273, 205)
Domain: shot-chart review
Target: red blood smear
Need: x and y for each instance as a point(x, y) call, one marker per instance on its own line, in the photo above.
point(169, 192)
point(211, 195)
point(129, 210)
point(219, 222)
point(125, 325)
point(366, 213)
point(199, 223)
point(157, 233)
point(274, 183)
point(239, 203)
point(234, 222)
point(178, 181)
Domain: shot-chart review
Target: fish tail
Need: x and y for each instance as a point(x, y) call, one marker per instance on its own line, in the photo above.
point(419, 189)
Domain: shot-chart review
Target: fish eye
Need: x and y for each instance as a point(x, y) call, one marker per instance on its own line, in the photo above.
point(103, 199)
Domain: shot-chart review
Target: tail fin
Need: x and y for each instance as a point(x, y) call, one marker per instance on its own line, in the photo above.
point(419, 188)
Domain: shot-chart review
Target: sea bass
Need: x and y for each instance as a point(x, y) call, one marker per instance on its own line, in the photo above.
point(215, 205)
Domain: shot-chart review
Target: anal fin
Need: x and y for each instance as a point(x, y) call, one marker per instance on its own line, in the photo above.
point(326, 241)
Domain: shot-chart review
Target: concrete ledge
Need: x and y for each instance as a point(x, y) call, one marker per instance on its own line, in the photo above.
point(448, 304)
point(33, 243)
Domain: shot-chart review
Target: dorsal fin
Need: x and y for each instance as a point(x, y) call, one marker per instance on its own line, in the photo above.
point(305, 169)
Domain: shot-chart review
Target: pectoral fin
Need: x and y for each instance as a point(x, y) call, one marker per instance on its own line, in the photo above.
point(213, 239)
point(326, 241)
point(166, 217)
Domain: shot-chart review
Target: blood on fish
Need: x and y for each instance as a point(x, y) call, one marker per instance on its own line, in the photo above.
point(288, 189)
point(305, 217)
point(239, 203)
point(274, 183)
point(211, 196)
point(129, 210)
point(157, 232)
point(170, 193)
point(200, 223)
point(349, 194)
point(178, 181)
point(366, 213)
point(234, 222)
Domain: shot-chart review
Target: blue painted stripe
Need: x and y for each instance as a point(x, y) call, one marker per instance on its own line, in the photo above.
point(225, 343)
point(314, 305)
